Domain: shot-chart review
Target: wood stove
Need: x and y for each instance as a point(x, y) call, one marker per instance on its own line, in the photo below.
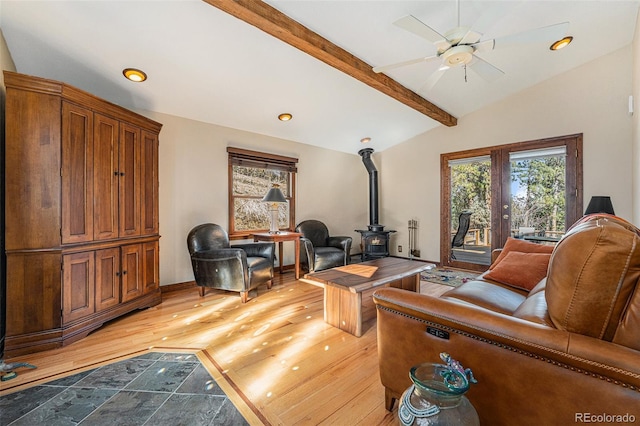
point(375, 240)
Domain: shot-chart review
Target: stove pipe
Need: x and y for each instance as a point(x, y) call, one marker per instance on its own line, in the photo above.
point(373, 189)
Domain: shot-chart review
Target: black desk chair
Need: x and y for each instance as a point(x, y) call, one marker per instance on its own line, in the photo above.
point(464, 220)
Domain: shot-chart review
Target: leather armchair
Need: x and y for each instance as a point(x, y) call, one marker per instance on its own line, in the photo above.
point(217, 264)
point(565, 352)
point(320, 251)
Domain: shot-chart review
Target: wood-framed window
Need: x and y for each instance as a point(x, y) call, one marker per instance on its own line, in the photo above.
point(251, 175)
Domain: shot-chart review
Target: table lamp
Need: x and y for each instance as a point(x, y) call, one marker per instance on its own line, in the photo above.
point(273, 197)
point(599, 204)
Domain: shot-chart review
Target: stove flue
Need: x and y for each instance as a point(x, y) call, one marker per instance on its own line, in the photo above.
point(375, 240)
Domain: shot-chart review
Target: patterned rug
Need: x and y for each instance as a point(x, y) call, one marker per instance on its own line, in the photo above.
point(447, 276)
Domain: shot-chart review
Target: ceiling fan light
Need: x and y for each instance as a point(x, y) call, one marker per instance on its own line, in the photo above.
point(561, 43)
point(134, 75)
point(457, 55)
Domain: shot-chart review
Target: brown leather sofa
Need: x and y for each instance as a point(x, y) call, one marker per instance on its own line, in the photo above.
point(565, 352)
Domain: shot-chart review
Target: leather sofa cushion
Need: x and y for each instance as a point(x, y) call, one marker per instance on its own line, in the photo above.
point(514, 244)
point(593, 272)
point(522, 270)
point(495, 297)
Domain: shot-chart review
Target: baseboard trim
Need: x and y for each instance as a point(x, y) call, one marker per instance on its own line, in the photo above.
point(177, 286)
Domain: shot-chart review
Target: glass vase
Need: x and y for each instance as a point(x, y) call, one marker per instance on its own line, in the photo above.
point(436, 396)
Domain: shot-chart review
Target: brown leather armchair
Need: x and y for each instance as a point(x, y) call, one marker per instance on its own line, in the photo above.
point(565, 352)
point(320, 251)
point(217, 264)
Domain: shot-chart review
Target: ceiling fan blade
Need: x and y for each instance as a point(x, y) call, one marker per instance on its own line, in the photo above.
point(484, 46)
point(488, 19)
point(433, 79)
point(419, 28)
point(402, 64)
point(485, 70)
point(538, 35)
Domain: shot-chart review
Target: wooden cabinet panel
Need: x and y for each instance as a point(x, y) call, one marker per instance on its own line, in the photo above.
point(107, 278)
point(32, 170)
point(77, 174)
point(151, 267)
point(78, 297)
point(33, 293)
point(149, 172)
point(129, 186)
point(131, 271)
point(105, 181)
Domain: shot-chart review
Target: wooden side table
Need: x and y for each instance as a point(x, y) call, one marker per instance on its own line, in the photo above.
point(280, 238)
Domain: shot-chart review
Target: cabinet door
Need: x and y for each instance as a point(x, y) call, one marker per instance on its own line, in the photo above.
point(77, 174)
point(149, 172)
point(107, 278)
point(131, 271)
point(129, 186)
point(78, 286)
point(105, 177)
point(151, 267)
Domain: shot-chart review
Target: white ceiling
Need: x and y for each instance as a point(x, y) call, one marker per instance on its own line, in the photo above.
point(206, 65)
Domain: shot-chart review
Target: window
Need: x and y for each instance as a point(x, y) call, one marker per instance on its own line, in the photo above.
point(251, 175)
point(530, 190)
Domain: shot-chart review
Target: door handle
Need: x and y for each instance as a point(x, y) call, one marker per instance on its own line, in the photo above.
point(505, 217)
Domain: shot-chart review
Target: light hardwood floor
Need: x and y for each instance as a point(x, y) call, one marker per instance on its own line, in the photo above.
point(292, 367)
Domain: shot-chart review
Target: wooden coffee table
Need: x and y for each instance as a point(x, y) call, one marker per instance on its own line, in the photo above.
point(348, 289)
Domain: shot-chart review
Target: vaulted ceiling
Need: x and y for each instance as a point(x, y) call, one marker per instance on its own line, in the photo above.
point(233, 63)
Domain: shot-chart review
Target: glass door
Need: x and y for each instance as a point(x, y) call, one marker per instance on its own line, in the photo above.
point(470, 209)
point(537, 194)
point(530, 190)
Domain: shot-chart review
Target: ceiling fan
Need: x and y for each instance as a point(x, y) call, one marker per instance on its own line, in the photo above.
point(459, 46)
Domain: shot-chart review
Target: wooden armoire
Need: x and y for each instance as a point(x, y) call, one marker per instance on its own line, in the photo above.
point(81, 213)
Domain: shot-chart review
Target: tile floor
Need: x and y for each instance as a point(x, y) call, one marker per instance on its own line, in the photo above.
point(151, 389)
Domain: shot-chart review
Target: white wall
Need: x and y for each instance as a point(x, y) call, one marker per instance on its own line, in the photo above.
point(636, 124)
point(193, 171)
point(591, 99)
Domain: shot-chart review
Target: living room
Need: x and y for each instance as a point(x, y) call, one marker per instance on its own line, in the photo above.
point(332, 185)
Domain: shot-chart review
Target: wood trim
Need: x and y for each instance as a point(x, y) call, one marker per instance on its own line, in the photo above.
point(280, 26)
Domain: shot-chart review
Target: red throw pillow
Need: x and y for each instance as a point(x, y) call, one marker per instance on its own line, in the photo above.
point(514, 244)
point(521, 270)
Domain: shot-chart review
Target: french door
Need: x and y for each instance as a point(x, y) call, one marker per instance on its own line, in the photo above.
point(530, 190)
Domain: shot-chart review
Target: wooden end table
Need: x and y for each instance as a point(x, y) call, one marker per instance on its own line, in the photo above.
point(280, 238)
point(348, 289)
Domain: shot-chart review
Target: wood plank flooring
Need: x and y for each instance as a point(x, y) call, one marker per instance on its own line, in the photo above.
point(292, 367)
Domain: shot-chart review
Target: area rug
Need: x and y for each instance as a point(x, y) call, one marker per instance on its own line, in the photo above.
point(153, 388)
point(447, 276)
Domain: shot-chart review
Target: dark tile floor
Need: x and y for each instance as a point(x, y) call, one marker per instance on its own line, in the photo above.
point(151, 389)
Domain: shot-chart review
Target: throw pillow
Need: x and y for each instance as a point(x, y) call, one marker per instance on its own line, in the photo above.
point(514, 244)
point(521, 270)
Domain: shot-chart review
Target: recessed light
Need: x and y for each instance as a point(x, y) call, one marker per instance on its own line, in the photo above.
point(135, 75)
point(285, 116)
point(561, 43)
point(365, 140)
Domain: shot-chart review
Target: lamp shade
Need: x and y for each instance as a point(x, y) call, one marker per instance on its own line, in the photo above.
point(274, 195)
point(599, 204)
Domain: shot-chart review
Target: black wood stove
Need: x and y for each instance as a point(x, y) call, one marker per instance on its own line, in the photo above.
point(375, 240)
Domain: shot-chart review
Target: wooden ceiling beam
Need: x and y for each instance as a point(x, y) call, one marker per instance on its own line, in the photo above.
point(273, 22)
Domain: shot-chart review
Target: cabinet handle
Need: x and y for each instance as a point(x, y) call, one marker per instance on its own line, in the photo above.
point(121, 173)
point(115, 173)
point(124, 272)
point(117, 274)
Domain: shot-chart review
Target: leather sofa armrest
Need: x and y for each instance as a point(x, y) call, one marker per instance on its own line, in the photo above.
point(343, 243)
point(515, 361)
point(266, 250)
point(307, 253)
